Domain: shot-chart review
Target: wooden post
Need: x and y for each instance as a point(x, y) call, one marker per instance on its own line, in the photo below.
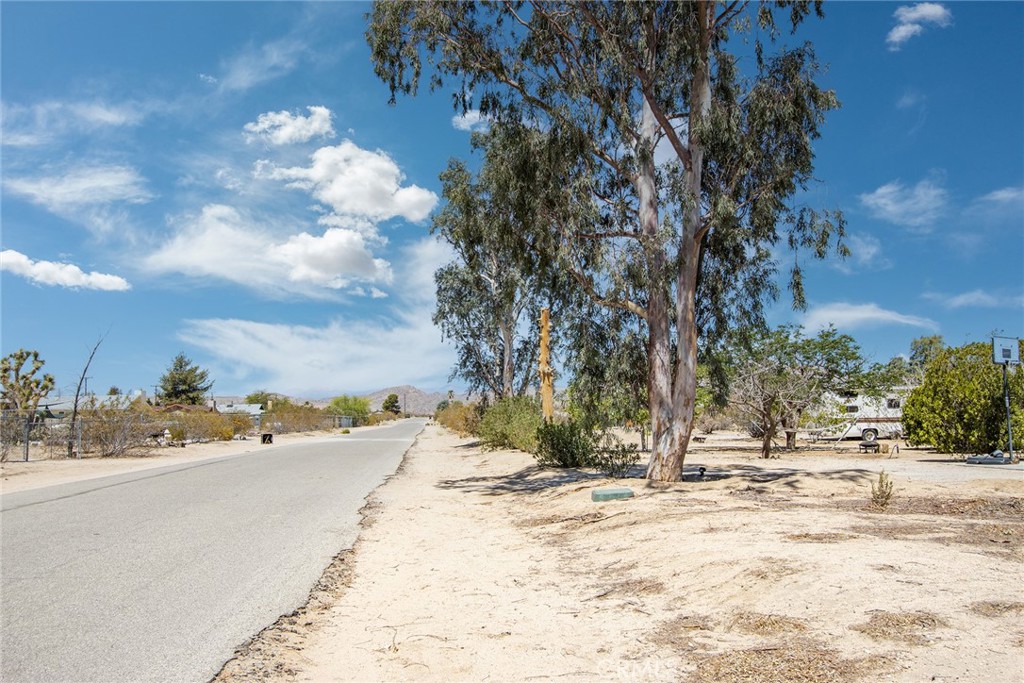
point(547, 375)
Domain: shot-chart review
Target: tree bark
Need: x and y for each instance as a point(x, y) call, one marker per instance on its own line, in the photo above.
point(672, 411)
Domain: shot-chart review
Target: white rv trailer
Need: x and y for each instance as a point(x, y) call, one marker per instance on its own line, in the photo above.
point(853, 416)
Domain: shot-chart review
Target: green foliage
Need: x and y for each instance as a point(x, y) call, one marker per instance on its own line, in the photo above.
point(355, 407)
point(374, 419)
point(184, 382)
point(459, 417)
point(616, 460)
point(114, 391)
point(22, 389)
point(780, 373)
point(261, 397)
point(566, 444)
point(959, 407)
point(392, 404)
point(687, 245)
point(511, 423)
point(488, 293)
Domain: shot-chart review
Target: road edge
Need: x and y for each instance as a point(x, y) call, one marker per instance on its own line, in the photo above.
point(256, 658)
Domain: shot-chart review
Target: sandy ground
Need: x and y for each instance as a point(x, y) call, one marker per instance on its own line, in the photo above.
point(18, 475)
point(477, 566)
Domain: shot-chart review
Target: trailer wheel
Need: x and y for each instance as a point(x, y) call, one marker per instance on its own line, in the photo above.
point(869, 434)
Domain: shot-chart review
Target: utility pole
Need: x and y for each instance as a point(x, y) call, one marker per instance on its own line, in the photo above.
point(547, 375)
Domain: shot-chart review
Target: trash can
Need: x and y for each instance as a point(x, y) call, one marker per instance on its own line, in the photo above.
point(266, 438)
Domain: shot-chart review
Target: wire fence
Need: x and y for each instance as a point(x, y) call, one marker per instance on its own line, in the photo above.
point(112, 432)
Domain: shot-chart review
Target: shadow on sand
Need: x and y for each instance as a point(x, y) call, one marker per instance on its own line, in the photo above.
point(533, 479)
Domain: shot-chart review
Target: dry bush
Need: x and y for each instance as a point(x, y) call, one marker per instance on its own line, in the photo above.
point(461, 418)
point(292, 418)
point(881, 493)
point(115, 430)
point(201, 426)
point(374, 419)
point(905, 627)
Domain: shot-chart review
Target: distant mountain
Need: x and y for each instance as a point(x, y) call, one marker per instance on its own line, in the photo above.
point(414, 401)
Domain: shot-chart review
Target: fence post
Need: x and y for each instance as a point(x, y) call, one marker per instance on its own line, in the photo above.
point(28, 434)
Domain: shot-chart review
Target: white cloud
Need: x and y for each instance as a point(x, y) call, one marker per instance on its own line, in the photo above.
point(283, 128)
point(917, 207)
point(1004, 196)
point(208, 79)
point(355, 182)
point(911, 21)
point(977, 298)
point(44, 122)
point(472, 120)
point(88, 195)
point(850, 316)
point(223, 243)
point(866, 253)
point(59, 274)
point(909, 100)
point(257, 65)
point(83, 186)
point(399, 346)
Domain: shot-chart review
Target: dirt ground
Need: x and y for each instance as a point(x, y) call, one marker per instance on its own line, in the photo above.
point(476, 566)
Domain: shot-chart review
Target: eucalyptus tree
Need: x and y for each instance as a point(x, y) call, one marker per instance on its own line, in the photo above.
point(668, 155)
point(489, 297)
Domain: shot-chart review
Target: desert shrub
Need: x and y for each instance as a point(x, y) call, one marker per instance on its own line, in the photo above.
point(616, 460)
point(377, 418)
point(459, 417)
point(881, 493)
point(959, 407)
point(201, 426)
point(116, 429)
point(711, 420)
point(511, 423)
point(564, 445)
point(240, 424)
point(287, 417)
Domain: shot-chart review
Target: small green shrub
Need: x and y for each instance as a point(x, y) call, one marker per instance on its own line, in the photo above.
point(511, 423)
point(616, 461)
point(459, 417)
point(346, 430)
point(564, 445)
point(881, 493)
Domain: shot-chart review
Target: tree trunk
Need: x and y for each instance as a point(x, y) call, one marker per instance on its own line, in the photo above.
point(507, 387)
point(672, 414)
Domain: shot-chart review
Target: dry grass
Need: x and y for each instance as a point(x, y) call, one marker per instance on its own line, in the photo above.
point(774, 568)
point(831, 537)
point(766, 624)
point(997, 609)
point(797, 661)
point(677, 634)
point(903, 627)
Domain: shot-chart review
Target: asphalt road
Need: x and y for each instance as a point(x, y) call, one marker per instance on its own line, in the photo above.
point(159, 575)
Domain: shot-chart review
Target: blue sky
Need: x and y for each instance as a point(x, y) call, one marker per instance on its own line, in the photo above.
point(228, 180)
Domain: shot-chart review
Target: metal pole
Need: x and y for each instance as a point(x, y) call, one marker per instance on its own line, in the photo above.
point(1009, 418)
point(28, 434)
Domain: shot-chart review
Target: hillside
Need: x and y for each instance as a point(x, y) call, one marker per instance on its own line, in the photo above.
point(415, 401)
